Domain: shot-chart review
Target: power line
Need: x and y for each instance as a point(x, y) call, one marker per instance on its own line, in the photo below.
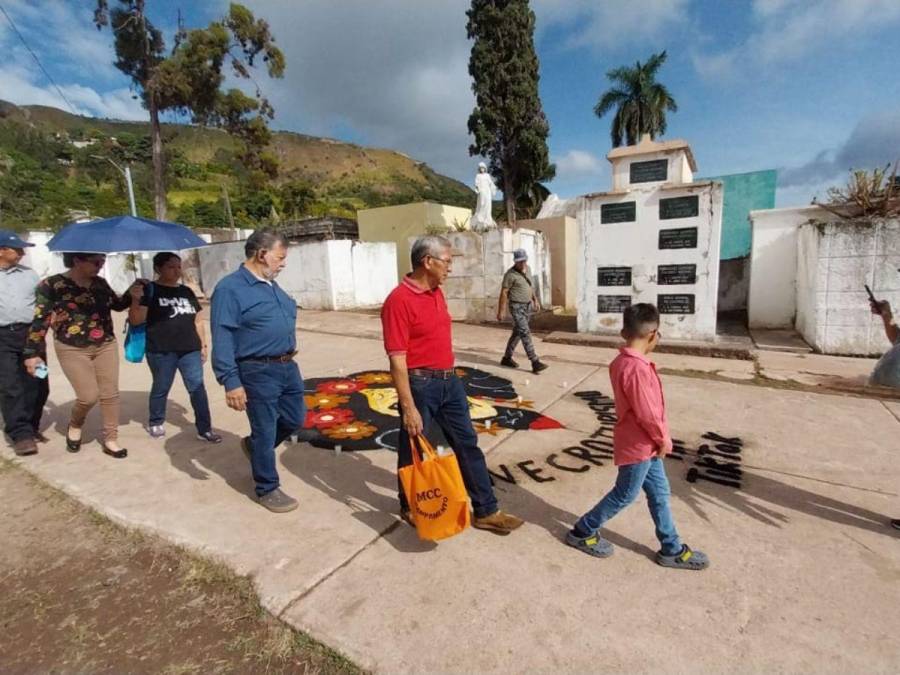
point(37, 60)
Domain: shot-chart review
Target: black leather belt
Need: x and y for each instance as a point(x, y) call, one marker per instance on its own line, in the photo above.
point(15, 326)
point(434, 374)
point(284, 358)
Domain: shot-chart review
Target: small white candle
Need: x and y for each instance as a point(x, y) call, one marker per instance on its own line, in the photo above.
point(487, 424)
point(337, 449)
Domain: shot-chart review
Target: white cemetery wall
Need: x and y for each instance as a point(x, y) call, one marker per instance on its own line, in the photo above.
point(479, 263)
point(217, 260)
point(654, 245)
point(774, 275)
point(38, 258)
point(374, 272)
point(307, 276)
point(836, 261)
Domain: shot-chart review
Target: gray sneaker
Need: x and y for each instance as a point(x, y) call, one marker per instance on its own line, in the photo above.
point(157, 431)
point(278, 502)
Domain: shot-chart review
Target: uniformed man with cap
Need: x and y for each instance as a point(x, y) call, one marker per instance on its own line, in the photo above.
point(23, 396)
point(517, 291)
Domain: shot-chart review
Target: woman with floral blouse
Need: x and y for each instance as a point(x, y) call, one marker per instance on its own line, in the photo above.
point(78, 306)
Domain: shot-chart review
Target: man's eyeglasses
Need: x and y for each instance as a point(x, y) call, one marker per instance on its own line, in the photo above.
point(446, 261)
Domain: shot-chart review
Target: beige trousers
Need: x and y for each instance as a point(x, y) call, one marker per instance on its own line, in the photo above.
point(93, 373)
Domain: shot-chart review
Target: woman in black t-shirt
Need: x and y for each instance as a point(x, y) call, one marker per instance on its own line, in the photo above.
point(176, 341)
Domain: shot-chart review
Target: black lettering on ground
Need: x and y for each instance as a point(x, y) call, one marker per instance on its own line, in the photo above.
point(704, 450)
point(551, 460)
point(601, 446)
point(603, 432)
point(716, 438)
point(506, 476)
point(725, 467)
point(585, 454)
point(534, 473)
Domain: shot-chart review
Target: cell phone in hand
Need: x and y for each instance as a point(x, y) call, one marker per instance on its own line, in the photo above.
point(872, 298)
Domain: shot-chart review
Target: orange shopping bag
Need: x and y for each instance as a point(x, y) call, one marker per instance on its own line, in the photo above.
point(434, 488)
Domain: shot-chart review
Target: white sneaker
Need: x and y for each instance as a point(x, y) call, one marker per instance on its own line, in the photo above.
point(158, 431)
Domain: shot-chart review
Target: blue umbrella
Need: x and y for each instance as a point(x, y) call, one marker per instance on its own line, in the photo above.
point(124, 234)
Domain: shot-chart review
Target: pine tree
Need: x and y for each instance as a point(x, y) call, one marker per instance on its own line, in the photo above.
point(188, 81)
point(508, 122)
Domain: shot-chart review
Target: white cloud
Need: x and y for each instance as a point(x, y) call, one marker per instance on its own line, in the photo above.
point(69, 48)
point(608, 25)
point(577, 163)
point(789, 30)
point(28, 87)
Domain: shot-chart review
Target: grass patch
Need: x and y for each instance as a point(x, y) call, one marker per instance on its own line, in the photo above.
point(241, 635)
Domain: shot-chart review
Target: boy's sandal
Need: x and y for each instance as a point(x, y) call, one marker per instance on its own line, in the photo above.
point(594, 545)
point(686, 559)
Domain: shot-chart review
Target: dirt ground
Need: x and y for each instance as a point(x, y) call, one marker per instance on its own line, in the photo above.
point(79, 594)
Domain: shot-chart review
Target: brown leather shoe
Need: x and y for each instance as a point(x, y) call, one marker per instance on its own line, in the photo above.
point(498, 522)
point(25, 447)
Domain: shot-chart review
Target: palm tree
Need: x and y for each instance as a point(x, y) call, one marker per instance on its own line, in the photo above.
point(640, 101)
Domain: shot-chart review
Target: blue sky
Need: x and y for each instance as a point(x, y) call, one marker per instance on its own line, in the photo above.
point(807, 87)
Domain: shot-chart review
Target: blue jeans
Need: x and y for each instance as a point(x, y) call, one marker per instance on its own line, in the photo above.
point(651, 476)
point(163, 365)
point(276, 410)
point(445, 402)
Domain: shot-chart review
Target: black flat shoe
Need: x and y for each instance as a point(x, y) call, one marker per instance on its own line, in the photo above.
point(72, 446)
point(118, 454)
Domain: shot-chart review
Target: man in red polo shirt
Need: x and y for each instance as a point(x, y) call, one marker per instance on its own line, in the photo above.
point(417, 338)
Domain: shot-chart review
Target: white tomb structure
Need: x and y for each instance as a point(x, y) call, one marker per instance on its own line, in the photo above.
point(653, 238)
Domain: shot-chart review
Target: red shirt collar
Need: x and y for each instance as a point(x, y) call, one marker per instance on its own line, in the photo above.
point(413, 286)
point(628, 351)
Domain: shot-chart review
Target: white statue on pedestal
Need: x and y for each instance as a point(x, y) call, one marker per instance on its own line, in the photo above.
point(482, 220)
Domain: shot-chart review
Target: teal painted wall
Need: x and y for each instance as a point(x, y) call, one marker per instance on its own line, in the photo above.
point(744, 192)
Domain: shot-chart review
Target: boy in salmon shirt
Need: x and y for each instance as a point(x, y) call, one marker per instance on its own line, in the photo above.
point(640, 441)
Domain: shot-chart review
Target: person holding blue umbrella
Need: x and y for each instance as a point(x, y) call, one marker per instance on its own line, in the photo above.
point(77, 305)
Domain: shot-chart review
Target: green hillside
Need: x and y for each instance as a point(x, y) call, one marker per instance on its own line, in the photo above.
point(45, 175)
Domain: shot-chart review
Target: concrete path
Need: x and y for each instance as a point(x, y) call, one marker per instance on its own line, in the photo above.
point(788, 491)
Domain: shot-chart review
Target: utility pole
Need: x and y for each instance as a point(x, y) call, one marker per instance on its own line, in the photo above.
point(227, 206)
point(127, 173)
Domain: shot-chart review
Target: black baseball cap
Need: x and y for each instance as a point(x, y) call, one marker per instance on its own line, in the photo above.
point(12, 240)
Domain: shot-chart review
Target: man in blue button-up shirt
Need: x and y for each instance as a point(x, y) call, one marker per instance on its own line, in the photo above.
point(253, 344)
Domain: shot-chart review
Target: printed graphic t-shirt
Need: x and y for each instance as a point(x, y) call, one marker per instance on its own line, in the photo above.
point(171, 313)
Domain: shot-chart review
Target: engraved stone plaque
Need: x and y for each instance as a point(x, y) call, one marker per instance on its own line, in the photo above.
point(648, 172)
point(679, 237)
point(675, 303)
point(679, 207)
point(612, 304)
point(623, 212)
point(676, 274)
point(614, 276)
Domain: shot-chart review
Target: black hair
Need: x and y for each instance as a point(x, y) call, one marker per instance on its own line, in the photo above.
point(638, 320)
point(263, 240)
point(161, 259)
point(70, 258)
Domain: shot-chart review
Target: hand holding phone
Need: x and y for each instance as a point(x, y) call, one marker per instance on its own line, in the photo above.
point(876, 306)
